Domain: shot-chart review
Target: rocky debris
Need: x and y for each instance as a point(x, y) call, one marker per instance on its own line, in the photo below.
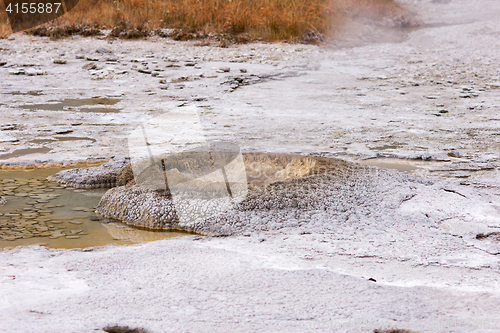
point(244, 80)
point(123, 329)
point(7, 138)
point(395, 330)
point(312, 37)
point(103, 50)
point(95, 177)
point(63, 130)
point(126, 33)
point(454, 153)
point(9, 127)
point(183, 34)
point(115, 94)
point(495, 236)
point(89, 66)
point(465, 166)
point(60, 61)
point(27, 71)
point(2, 200)
point(56, 32)
point(33, 72)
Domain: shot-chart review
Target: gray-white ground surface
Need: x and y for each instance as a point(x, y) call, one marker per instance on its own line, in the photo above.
point(429, 104)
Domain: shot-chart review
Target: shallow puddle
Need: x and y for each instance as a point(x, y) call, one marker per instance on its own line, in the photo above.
point(28, 93)
point(387, 147)
point(75, 104)
point(22, 152)
point(100, 110)
point(44, 213)
point(394, 165)
point(62, 138)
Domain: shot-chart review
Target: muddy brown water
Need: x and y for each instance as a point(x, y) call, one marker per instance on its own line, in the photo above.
point(394, 164)
point(23, 152)
point(387, 147)
point(62, 138)
point(75, 104)
point(39, 212)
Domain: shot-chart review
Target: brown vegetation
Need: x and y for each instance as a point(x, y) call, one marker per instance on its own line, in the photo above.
point(394, 330)
point(271, 20)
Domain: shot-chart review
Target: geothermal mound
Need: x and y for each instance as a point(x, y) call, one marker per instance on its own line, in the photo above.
point(284, 191)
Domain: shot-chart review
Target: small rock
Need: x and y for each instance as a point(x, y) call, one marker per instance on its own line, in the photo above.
point(170, 65)
point(115, 94)
point(243, 70)
point(454, 153)
point(79, 56)
point(63, 131)
point(225, 69)
point(33, 72)
point(92, 59)
point(144, 71)
point(103, 50)
point(441, 157)
point(190, 64)
point(89, 66)
point(19, 71)
point(60, 61)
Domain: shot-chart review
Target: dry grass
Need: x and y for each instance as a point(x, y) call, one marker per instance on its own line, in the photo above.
point(394, 330)
point(271, 20)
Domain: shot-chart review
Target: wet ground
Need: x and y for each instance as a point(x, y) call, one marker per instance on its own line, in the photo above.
point(39, 212)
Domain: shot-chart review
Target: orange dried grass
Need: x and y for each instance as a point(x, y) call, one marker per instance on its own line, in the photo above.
point(272, 20)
